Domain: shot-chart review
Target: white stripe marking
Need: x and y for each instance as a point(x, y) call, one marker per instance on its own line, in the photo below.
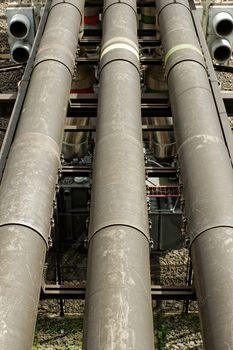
point(119, 46)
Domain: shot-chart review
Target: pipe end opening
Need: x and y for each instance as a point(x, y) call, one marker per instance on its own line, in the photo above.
point(224, 27)
point(222, 54)
point(18, 29)
point(20, 55)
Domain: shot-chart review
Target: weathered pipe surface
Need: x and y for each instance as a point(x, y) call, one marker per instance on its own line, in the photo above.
point(206, 172)
point(118, 313)
point(28, 186)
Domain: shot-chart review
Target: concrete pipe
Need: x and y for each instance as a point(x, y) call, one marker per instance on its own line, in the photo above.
point(118, 311)
point(206, 172)
point(28, 186)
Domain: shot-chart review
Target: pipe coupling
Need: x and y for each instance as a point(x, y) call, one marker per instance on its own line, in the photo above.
point(31, 175)
point(58, 54)
point(77, 4)
point(203, 186)
point(61, 51)
point(125, 190)
point(110, 3)
point(160, 5)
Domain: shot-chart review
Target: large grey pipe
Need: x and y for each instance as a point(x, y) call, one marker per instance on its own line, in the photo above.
point(118, 312)
point(28, 186)
point(206, 172)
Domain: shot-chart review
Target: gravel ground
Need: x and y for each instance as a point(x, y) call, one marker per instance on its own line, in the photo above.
point(226, 80)
point(58, 332)
point(179, 332)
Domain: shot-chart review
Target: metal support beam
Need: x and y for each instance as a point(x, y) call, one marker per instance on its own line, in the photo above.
point(73, 171)
point(78, 292)
point(152, 104)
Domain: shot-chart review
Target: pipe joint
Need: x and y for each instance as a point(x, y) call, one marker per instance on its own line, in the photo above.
point(22, 224)
point(37, 62)
point(182, 53)
point(91, 236)
point(129, 3)
point(56, 53)
point(162, 5)
point(28, 203)
point(120, 51)
point(193, 236)
point(62, 52)
point(72, 3)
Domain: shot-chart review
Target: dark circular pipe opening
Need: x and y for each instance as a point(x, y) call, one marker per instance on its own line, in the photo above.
point(224, 27)
point(18, 29)
point(20, 55)
point(222, 53)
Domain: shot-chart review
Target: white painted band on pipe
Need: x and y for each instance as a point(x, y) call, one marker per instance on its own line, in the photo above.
point(120, 39)
point(120, 46)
